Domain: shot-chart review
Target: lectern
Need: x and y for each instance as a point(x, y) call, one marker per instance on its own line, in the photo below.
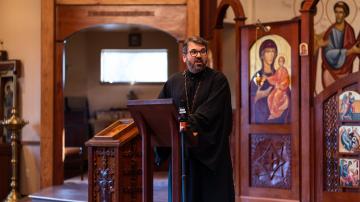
point(157, 122)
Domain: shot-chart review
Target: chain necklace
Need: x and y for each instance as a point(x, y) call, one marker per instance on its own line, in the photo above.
point(190, 107)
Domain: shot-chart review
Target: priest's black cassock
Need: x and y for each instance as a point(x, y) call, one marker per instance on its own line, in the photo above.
point(209, 169)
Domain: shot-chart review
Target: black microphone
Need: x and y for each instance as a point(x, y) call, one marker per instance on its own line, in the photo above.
point(183, 116)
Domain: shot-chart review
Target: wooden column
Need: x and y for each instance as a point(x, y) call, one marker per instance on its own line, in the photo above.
point(47, 92)
point(58, 177)
point(306, 115)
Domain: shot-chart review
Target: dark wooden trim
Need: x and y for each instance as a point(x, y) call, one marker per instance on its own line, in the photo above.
point(306, 99)
point(310, 5)
point(223, 6)
point(30, 143)
point(342, 83)
point(207, 18)
point(91, 173)
point(58, 173)
point(168, 18)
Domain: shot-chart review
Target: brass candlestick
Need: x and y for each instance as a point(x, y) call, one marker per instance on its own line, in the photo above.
point(14, 124)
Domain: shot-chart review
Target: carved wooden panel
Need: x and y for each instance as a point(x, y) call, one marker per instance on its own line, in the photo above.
point(336, 179)
point(117, 171)
point(270, 161)
point(331, 175)
point(331, 125)
point(104, 174)
point(115, 164)
point(131, 171)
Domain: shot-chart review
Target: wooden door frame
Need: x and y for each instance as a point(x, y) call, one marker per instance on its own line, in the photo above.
point(55, 29)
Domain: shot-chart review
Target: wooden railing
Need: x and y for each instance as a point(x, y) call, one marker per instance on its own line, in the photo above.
point(115, 167)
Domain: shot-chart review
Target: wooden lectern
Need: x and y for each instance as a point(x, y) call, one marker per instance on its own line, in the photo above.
point(158, 124)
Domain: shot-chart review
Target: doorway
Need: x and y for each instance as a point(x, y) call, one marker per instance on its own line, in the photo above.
point(91, 101)
point(71, 18)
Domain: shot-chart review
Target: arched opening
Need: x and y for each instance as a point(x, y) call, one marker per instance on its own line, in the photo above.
point(60, 21)
point(228, 53)
point(90, 101)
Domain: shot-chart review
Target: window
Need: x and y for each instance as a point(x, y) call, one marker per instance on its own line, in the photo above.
point(134, 65)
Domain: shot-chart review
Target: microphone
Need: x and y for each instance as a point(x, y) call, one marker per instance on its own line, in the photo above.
point(183, 121)
point(183, 116)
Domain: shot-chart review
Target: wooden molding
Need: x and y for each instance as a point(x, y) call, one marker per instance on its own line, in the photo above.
point(30, 143)
point(169, 18)
point(117, 2)
point(47, 92)
point(193, 18)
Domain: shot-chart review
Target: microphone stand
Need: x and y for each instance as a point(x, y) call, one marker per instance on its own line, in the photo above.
point(183, 126)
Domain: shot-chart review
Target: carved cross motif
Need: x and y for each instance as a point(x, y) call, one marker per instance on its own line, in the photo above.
point(106, 185)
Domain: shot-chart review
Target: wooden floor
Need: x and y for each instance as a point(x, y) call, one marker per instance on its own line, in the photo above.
point(76, 190)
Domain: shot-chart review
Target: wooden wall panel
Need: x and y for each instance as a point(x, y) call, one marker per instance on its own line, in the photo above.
point(193, 18)
point(170, 18)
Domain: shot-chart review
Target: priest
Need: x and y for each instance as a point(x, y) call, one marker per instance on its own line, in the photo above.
point(206, 94)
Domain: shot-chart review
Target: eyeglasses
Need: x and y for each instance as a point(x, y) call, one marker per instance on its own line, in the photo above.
point(194, 52)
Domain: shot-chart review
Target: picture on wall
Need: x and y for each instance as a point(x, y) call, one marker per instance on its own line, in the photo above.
point(349, 139)
point(8, 71)
point(270, 80)
point(349, 172)
point(7, 94)
point(349, 106)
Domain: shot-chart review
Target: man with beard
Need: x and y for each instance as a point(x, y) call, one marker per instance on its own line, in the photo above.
point(339, 47)
point(206, 94)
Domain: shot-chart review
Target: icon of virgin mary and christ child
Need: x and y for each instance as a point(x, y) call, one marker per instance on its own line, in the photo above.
point(269, 88)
